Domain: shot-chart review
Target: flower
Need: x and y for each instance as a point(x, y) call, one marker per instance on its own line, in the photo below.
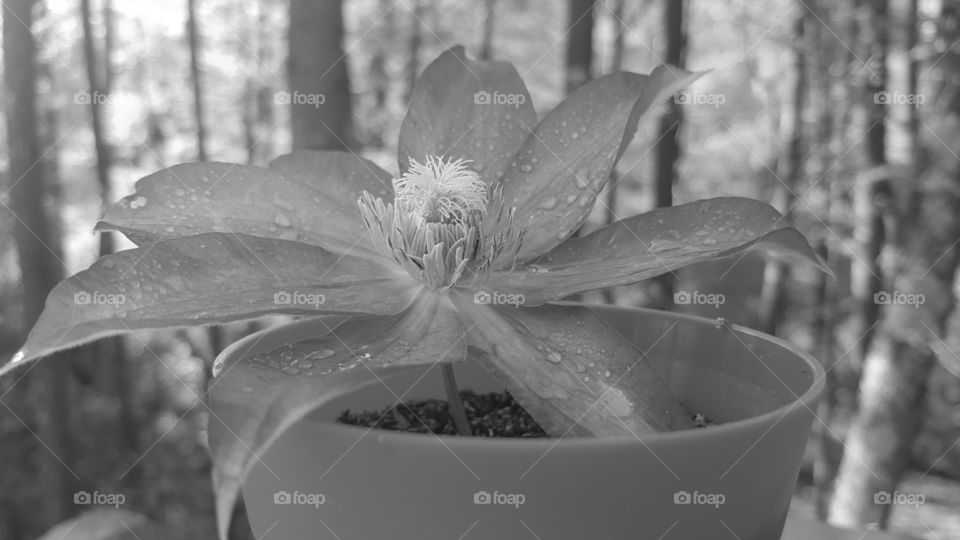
point(459, 254)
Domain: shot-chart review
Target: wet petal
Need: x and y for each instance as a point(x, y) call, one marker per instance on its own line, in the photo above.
point(566, 161)
point(196, 198)
point(570, 371)
point(461, 108)
point(262, 393)
point(211, 278)
point(655, 243)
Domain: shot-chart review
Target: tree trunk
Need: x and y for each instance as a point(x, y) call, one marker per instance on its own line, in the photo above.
point(922, 258)
point(486, 44)
point(579, 57)
point(871, 186)
point(413, 46)
point(193, 40)
point(48, 383)
point(616, 64)
point(789, 168)
point(668, 145)
point(828, 447)
point(111, 352)
point(320, 101)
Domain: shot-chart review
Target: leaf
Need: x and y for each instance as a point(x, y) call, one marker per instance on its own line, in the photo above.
point(211, 278)
point(197, 198)
point(655, 243)
point(570, 370)
point(251, 407)
point(566, 161)
point(461, 108)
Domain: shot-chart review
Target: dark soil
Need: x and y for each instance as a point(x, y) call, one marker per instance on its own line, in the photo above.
point(491, 415)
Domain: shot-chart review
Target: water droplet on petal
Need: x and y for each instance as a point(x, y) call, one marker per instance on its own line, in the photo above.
point(138, 202)
point(554, 357)
point(549, 203)
point(526, 167)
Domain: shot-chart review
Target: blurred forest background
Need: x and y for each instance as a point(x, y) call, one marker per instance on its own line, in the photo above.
point(844, 114)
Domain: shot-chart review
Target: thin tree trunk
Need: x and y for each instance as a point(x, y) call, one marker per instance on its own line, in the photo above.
point(320, 101)
point(413, 46)
point(827, 445)
point(668, 144)
point(193, 40)
point(49, 383)
point(871, 185)
point(789, 167)
point(616, 64)
point(579, 56)
point(489, 17)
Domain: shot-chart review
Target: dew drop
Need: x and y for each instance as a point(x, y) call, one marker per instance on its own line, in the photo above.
point(554, 357)
point(549, 203)
point(138, 202)
point(592, 364)
point(574, 135)
point(709, 241)
point(179, 192)
point(607, 373)
point(18, 357)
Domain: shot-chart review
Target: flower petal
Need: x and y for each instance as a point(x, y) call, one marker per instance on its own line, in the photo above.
point(570, 370)
point(655, 243)
point(461, 108)
point(211, 278)
point(196, 198)
point(250, 407)
point(566, 161)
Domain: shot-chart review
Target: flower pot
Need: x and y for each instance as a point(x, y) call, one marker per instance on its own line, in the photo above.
point(736, 479)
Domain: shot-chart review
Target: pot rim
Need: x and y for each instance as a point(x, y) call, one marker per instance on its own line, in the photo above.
point(806, 400)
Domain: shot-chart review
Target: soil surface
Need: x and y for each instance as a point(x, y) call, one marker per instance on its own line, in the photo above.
point(491, 415)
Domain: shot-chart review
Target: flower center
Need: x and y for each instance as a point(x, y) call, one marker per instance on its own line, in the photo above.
point(441, 191)
point(435, 227)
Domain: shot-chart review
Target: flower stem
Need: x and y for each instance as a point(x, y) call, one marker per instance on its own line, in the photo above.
point(454, 401)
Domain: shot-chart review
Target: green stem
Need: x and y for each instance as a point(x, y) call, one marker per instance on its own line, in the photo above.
point(454, 401)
